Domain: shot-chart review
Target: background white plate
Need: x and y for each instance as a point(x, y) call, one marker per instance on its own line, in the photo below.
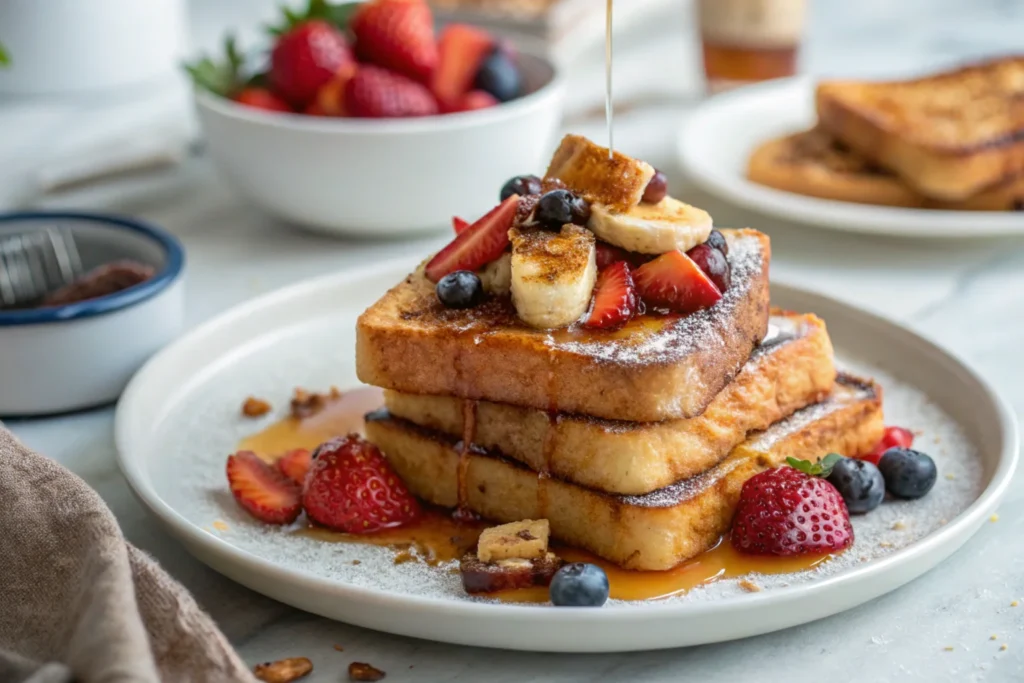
point(719, 136)
point(179, 418)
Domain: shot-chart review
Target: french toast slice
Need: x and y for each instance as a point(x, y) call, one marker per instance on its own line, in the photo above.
point(815, 164)
point(792, 368)
point(654, 368)
point(613, 180)
point(655, 531)
point(948, 135)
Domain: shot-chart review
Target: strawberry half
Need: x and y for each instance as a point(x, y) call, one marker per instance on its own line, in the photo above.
point(295, 464)
point(261, 98)
point(675, 282)
point(461, 51)
point(378, 93)
point(398, 35)
point(615, 300)
point(306, 57)
point(262, 490)
point(478, 245)
point(351, 487)
point(459, 224)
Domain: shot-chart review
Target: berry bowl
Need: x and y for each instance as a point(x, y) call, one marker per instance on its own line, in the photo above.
point(383, 177)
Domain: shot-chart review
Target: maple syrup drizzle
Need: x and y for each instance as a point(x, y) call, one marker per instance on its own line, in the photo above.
point(443, 536)
point(608, 113)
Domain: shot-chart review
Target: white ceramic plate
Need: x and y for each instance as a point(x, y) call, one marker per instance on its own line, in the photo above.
point(179, 418)
point(719, 136)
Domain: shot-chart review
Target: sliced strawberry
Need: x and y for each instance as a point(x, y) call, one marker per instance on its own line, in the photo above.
point(675, 282)
point(261, 98)
point(897, 437)
point(262, 490)
point(397, 35)
point(474, 100)
point(478, 245)
point(352, 488)
point(461, 51)
point(459, 224)
point(294, 464)
point(615, 299)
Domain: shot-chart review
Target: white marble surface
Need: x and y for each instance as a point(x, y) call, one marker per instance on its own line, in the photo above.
point(969, 295)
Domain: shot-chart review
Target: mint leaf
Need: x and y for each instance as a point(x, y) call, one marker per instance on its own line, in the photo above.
point(821, 468)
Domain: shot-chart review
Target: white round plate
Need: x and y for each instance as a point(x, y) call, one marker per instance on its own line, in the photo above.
point(719, 136)
point(179, 418)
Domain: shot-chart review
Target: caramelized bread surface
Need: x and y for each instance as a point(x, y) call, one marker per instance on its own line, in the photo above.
point(655, 368)
point(948, 136)
point(816, 164)
point(613, 180)
point(654, 531)
point(792, 368)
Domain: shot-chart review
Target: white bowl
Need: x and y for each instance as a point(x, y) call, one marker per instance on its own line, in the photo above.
point(82, 355)
point(383, 177)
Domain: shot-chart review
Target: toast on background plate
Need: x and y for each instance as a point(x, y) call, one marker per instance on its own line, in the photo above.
point(948, 136)
point(815, 164)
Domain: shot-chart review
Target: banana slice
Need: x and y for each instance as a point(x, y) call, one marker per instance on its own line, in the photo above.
point(652, 228)
point(496, 276)
point(553, 274)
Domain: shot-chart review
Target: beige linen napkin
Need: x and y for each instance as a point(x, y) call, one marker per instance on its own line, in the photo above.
point(78, 602)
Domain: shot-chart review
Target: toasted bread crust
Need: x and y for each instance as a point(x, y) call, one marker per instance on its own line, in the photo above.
point(617, 182)
point(655, 368)
point(948, 136)
point(784, 375)
point(815, 164)
point(656, 531)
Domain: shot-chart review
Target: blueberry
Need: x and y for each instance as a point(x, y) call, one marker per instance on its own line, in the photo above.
point(908, 473)
point(716, 240)
point(579, 585)
point(461, 289)
point(521, 185)
point(499, 75)
point(859, 483)
point(558, 207)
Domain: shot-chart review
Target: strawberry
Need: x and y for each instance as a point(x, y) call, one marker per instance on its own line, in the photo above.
point(294, 464)
point(305, 57)
point(261, 98)
point(378, 93)
point(461, 51)
point(892, 437)
point(330, 98)
point(675, 282)
point(615, 300)
point(459, 224)
point(608, 254)
point(791, 511)
point(478, 245)
point(262, 490)
point(314, 109)
point(398, 35)
point(351, 487)
point(473, 100)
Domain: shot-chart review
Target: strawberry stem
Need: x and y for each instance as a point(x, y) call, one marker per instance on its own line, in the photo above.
point(821, 468)
point(338, 15)
point(224, 78)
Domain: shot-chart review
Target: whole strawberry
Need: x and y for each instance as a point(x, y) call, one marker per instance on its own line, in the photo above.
point(786, 511)
point(305, 57)
point(351, 487)
point(398, 35)
point(378, 93)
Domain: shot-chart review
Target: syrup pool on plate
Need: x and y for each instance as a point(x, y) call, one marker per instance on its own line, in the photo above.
point(440, 537)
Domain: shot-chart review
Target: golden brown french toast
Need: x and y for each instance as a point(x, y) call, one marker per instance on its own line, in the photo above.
point(791, 369)
point(656, 367)
point(948, 136)
point(815, 164)
point(654, 531)
point(616, 181)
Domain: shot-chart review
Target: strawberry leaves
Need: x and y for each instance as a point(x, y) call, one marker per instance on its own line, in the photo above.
point(222, 78)
point(338, 15)
point(821, 468)
point(5, 57)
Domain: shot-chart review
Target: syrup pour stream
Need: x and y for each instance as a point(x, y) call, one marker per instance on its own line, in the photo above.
point(608, 113)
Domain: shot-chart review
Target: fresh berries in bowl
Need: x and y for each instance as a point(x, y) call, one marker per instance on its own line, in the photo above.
point(344, 119)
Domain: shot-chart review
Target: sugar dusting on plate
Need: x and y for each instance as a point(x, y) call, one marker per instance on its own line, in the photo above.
point(188, 471)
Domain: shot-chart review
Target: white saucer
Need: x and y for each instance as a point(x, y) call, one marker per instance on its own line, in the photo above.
point(719, 136)
point(179, 418)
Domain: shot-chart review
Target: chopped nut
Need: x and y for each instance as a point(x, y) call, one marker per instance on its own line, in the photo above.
point(339, 648)
point(994, 518)
point(284, 670)
point(1014, 603)
point(899, 526)
point(1002, 648)
point(885, 544)
point(361, 671)
point(306, 403)
point(750, 586)
point(527, 540)
point(514, 572)
point(255, 407)
point(220, 526)
point(356, 562)
point(993, 637)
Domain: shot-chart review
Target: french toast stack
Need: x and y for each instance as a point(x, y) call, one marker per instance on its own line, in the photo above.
point(953, 140)
point(633, 441)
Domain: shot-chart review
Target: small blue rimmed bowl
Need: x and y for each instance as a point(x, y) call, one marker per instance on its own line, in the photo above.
point(81, 355)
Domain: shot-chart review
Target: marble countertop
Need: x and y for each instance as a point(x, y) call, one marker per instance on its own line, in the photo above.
point(969, 295)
